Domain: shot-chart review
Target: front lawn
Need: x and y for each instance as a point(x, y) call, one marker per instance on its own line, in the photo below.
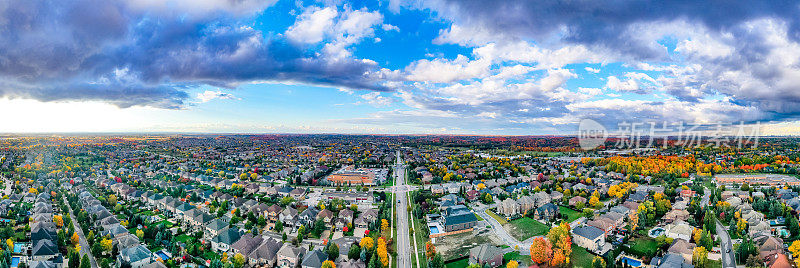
point(571, 213)
point(580, 258)
point(522, 260)
point(184, 238)
point(524, 228)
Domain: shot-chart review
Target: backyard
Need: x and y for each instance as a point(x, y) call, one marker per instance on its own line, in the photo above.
point(580, 257)
point(524, 228)
point(644, 247)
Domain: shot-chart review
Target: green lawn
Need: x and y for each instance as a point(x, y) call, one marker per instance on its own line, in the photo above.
point(571, 213)
point(499, 219)
point(522, 260)
point(478, 216)
point(580, 258)
point(525, 228)
point(184, 238)
point(643, 247)
point(457, 264)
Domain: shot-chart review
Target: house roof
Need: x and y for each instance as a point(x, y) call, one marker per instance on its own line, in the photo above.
point(485, 252)
point(589, 232)
point(314, 258)
point(136, 253)
point(228, 236)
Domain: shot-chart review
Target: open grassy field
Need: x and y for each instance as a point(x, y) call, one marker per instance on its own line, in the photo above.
point(524, 228)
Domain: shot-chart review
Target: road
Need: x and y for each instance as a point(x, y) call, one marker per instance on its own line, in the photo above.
point(497, 228)
point(706, 196)
point(85, 249)
point(400, 189)
point(7, 190)
point(728, 259)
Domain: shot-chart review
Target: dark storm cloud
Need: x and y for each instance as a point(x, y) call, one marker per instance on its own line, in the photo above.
point(103, 50)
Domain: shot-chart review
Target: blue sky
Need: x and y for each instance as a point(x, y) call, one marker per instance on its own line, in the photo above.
point(457, 67)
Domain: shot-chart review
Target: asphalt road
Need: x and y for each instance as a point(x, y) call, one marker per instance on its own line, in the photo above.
point(403, 246)
point(728, 259)
point(85, 249)
point(497, 228)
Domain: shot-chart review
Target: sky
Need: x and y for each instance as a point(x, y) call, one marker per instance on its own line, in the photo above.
point(506, 67)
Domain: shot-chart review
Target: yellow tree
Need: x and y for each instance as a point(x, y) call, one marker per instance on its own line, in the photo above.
point(795, 248)
point(328, 264)
point(10, 243)
point(112, 199)
point(383, 254)
point(384, 227)
point(140, 233)
point(512, 264)
point(700, 257)
point(106, 244)
point(367, 243)
point(58, 220)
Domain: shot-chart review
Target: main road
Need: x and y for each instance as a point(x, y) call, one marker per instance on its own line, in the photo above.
point(85, 249)
point(400, 189)
point(726, 247)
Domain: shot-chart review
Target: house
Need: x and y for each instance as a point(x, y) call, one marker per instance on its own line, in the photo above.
point(486, 255)
point(273, 211)
point(288, 216)
point(508, 208)
point(265, 254)
point(589, 237)
point(458, 221)
point(547, 212)
point(326, 216)
point(779, 261)
point(346, 215)
point(225, 239)
point(307, 217)
point(679, 229)
point(43, 250)
point(676, 215)
point(214, 227)
point(137, 257)
point(526, 203)
point(246, 244)
point(314, 259)
point(351, 264)
point(603, 224)
point(683, 248)
point(290, 256)
point(577, 200)
point(670, 260)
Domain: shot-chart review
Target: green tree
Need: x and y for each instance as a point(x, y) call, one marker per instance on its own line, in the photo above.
point(333, 251)
point(354, 252)
point(437, 261)
point(85, 262)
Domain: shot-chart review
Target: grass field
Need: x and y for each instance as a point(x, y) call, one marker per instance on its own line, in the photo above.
point(643, 247)
point(499, 219)
point(184, 238)
point(571, 213)
point(525, 228)
point(478, 216)
point(580, 258)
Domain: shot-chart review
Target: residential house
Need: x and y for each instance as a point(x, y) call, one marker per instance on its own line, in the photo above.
point(486, 255)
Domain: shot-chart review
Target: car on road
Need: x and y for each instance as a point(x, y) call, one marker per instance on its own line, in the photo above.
point(728, 250)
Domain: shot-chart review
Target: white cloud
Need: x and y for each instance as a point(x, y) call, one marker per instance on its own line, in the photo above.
point(592, 70)
point(389, 27)
point(311, 26)
point(375, 99)
point(210, 95)
point(615, 83)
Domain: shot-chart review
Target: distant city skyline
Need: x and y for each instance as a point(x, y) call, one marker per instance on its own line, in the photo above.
point(394, 67)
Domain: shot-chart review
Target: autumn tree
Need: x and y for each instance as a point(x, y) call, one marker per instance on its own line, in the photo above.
point(367, 243)
point(74, 238)
point(512, 264)
point(598, 262)
point(430, 250)
point(328, 264)
point(700, 257)
point(58, 220)
point(541, 250)
point(238, 260)
point(106, 244)
point(383, 254)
